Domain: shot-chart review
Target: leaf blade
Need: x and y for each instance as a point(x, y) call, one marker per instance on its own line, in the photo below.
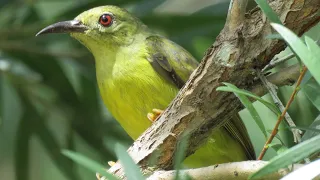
point(292, 155)
point(246, 102)
point(300, 49)
point(271, 106)
point(88, 163)
point(130, 168)
point(267, 10)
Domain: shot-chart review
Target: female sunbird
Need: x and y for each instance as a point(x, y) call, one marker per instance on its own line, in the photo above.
point(138, 71)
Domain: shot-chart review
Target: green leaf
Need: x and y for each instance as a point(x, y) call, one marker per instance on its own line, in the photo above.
point(88, 163)
point(269, 105)
point(312, 130)
point(312, 46)
point(305, 79)
point(282, 149)
point(130, 168)
point(180, 155)
point(48, 141)
point(311, 90)
point(51, 145)
point(54, 76)
point(292, 155)
point(273, 17)
point(22, 147)
point(279, 148)
point(246, 102)
point(35, 124)
point(2, 103)
point(301, 50)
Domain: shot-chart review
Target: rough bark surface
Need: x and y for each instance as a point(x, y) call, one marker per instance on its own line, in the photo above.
point(236, 170)
point(198, 109)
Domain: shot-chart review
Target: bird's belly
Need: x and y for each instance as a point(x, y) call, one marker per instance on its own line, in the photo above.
point(130, 98)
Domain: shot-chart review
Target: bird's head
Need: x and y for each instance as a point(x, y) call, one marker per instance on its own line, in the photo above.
point(108, 25)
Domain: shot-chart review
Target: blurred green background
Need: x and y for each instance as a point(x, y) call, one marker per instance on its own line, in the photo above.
point(48, 95)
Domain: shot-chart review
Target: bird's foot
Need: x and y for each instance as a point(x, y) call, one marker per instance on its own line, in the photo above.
point(111, 163)
point(153, 116)
point(99, 177)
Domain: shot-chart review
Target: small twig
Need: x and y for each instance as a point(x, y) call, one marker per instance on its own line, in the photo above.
point(275, 129)
point(287, 76)
point(273, 92)
point(276, 61)
point(236, 12)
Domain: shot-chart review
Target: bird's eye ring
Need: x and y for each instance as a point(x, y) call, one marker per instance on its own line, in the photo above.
point(106, 20)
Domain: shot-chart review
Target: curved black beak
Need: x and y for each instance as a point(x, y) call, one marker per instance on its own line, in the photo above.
point(64, 27)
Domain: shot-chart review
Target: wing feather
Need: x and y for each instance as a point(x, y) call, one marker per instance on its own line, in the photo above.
point(176, 64)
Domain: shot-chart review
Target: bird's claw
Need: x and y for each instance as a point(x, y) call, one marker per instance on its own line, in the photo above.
point(99, 177)
point(153, 116)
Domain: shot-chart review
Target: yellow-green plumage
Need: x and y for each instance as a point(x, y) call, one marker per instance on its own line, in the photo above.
point(138, 71)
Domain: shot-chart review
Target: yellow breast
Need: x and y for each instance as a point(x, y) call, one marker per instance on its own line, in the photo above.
point(131, 91)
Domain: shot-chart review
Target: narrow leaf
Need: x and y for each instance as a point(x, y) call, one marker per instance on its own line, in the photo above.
point(312, 46)
point(180, 155)
point(88, 163)
point(36, 122)
point(305, 79)
point(269, 105)
point(312, 130)
point(130, 168)
point(300, 49)
point(22, 147)
point(311, 90)
point(292, 155)
point(51, 145)
point(267, 10)
point(246, 102)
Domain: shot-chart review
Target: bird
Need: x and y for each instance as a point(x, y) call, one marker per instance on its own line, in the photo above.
point(139, 72)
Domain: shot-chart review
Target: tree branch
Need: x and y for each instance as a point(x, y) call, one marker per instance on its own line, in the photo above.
point(235, 18)
point(235, 170)
point(198, 107)
point(286, 77)
point(276, 61)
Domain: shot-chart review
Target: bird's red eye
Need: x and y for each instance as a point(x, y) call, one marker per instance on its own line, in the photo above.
point(106, 20)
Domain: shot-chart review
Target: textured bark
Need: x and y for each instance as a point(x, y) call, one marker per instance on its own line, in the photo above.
point(239, 50)
point(235, 170)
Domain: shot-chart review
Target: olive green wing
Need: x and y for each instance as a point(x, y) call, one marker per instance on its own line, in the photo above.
point(170, 60)
point(238, 131)
point(176, 64)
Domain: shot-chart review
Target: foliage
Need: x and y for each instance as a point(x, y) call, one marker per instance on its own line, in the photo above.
point(308, 52)
point(49, 99)
point(90, 164)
